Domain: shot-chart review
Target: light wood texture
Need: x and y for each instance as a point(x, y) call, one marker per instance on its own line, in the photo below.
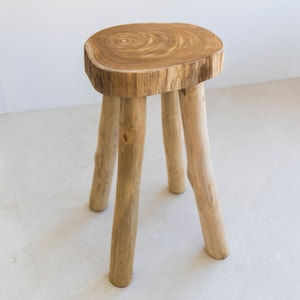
point(130, 157)
point(172, 132)
point(132, 62)
point(105, 156)
point(200, 171)
point(137, 60)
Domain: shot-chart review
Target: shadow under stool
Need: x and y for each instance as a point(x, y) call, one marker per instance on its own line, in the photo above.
point(126, 64)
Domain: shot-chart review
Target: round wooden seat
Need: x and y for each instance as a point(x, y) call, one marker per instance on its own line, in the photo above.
point(138, 60)
point(127, 63)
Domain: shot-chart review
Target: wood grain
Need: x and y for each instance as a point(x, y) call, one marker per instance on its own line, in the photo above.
point(130, 157)
point(172, 133)
point(137, 60)
point(131, 62)
point(200, 170)
point(105, 156)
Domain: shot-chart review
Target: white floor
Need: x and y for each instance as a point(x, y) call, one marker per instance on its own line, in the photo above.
point(53, 247)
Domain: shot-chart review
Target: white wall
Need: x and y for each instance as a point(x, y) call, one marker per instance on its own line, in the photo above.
point(41, 43)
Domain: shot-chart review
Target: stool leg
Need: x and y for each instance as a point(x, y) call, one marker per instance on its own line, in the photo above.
point(171, 121)
point(200, 171)
point(105, 156)
point(131, 147)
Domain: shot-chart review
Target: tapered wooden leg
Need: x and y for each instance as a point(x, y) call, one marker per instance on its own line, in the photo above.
point(200, 171)
point(131, 147)
point(172, 129)
point(105, 156)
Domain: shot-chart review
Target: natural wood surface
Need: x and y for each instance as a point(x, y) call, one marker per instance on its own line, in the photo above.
point(127, 63)
point(172, 132)
point(105, 156)
point(137, 60)
point(200, 170)
point(130, 157)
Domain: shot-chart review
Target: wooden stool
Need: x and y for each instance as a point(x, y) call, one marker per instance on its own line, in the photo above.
point(127, 63)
